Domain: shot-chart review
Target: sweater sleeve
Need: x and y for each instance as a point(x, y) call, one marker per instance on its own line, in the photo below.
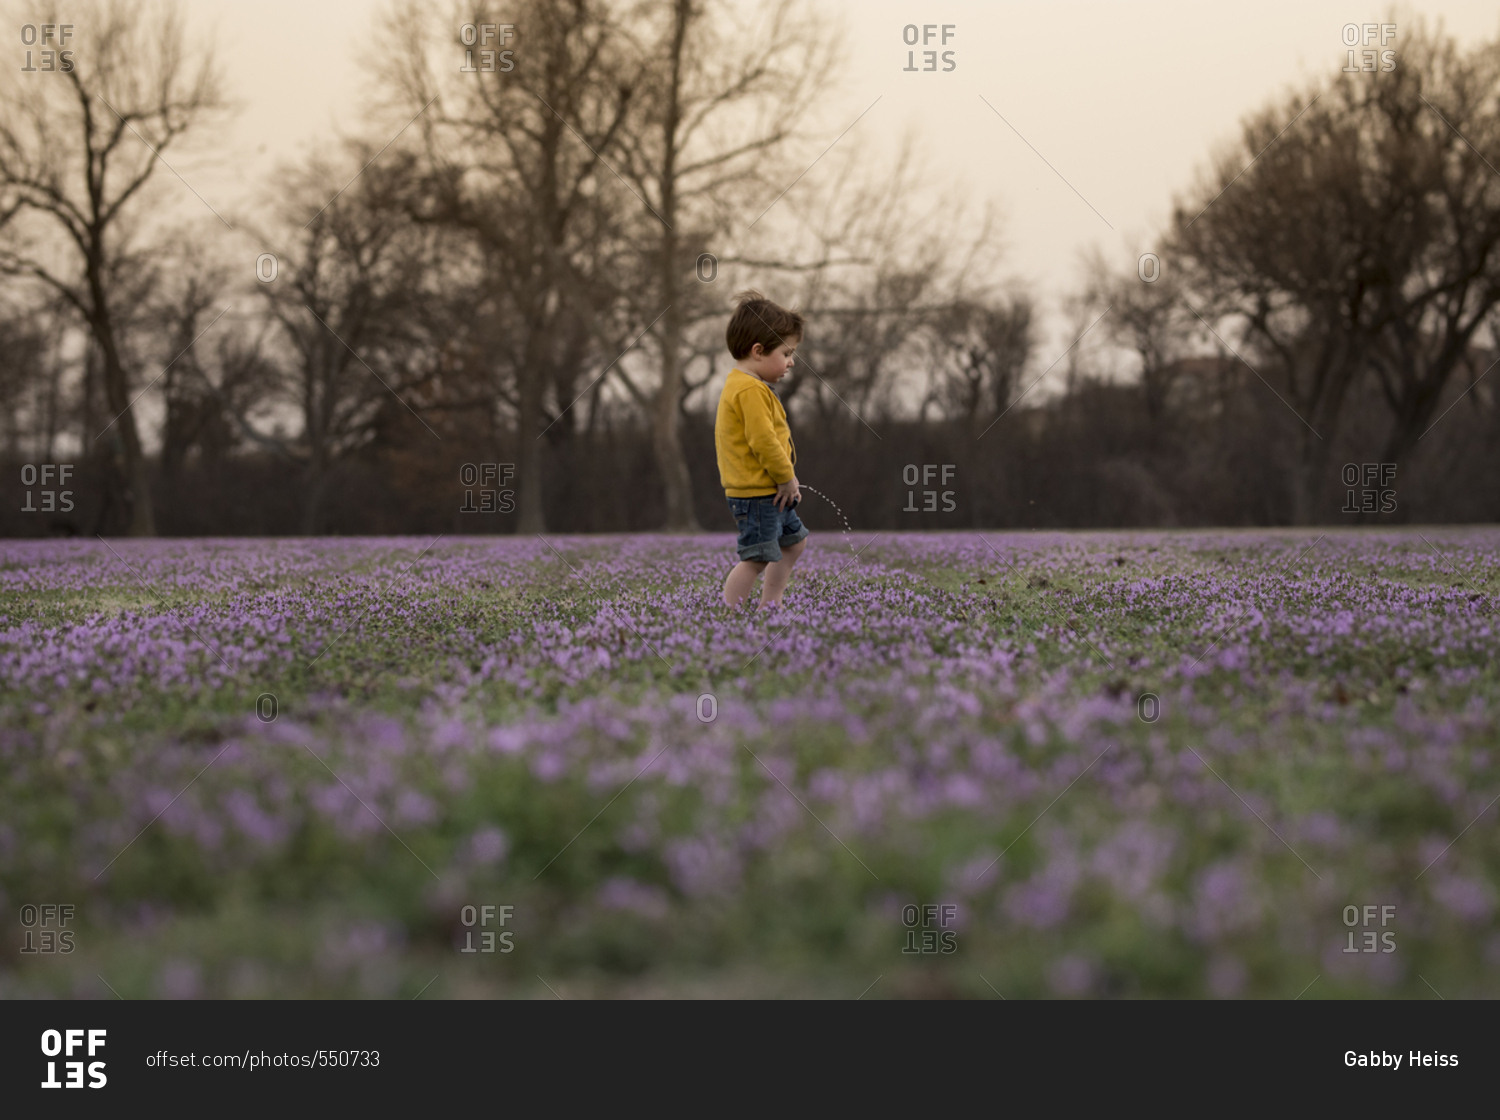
point(760, 432)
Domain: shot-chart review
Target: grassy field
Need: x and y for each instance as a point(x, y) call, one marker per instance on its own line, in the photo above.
point(1219, 764)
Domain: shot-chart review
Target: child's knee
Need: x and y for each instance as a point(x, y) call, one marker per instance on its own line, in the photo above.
point(792, 551)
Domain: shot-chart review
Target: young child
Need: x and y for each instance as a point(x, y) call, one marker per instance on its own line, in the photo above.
point(754, 446)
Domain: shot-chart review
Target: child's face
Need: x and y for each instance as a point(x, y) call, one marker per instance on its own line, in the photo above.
point(772, 367)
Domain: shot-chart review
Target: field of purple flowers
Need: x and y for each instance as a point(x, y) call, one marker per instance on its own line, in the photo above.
point(1224, 764)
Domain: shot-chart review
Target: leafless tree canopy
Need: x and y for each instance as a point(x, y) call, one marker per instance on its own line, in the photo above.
point(77, 150)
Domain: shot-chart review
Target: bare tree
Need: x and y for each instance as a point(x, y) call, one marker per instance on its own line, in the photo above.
point(76, 148)
point(1143, 312)
point(23, 354)
point(888, 257)
point(209, 382)
point(710, 124)
point(516, 141)
point(1431, 128)
point(979, 351)
point(1357, 228)
point(1277, 251)
point(351, 285)
point(37, 361)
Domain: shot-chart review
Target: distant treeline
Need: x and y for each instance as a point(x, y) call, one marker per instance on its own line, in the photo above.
point(533, 265)
point(1094, 458)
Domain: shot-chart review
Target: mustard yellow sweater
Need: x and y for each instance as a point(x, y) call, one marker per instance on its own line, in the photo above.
point(751, 438)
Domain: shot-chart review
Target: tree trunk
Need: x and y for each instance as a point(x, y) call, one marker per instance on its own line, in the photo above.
point(677, 484)
point(54, 378)
point(676, 480)
point(533, 518)
point(134, 485)
point(314, 483)
point(1308, 479)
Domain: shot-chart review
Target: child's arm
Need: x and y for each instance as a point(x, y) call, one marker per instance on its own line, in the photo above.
point(760, 433)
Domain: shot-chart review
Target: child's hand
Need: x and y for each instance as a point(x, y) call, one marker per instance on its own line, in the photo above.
point(788, 494)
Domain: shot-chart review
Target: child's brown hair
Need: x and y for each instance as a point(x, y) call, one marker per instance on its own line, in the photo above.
point(757, 319)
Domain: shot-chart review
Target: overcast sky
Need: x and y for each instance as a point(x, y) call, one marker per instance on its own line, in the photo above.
point(1119, 104)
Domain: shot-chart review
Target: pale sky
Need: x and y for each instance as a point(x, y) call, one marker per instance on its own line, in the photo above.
point(1124, 101)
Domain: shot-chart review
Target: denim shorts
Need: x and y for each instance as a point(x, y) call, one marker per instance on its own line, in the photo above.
point(763, 529)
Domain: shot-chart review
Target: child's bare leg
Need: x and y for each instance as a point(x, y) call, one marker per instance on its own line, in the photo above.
point(779, 574)
point(741, 581)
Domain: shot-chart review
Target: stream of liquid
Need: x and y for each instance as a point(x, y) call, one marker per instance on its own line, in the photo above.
point(847, 530)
